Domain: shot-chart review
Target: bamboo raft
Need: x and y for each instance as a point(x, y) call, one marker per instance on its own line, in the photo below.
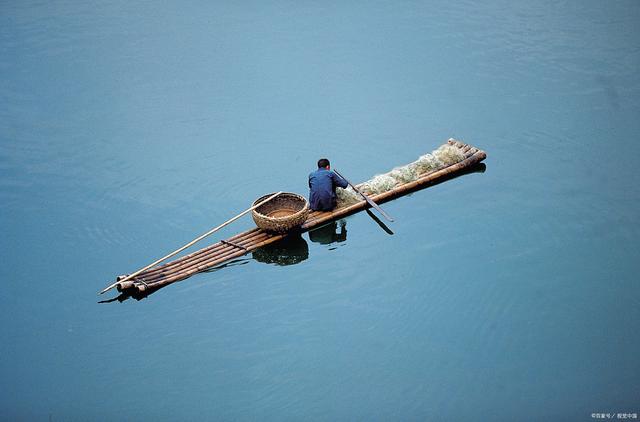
point(250, 240)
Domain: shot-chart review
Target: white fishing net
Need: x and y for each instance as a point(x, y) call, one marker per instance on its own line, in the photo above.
point(444, 156)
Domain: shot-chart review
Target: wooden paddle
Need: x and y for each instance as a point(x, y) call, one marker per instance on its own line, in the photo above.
point(369, 201)
point(197, 239)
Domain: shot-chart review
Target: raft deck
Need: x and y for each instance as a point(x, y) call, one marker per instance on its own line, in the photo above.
point(243, 243)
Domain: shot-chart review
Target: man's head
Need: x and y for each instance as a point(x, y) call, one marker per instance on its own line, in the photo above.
point(323, 163)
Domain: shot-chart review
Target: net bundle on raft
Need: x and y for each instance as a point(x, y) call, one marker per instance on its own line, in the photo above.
point(447, 160)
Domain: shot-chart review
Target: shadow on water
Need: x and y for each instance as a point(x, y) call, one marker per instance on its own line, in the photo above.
point(293, 249)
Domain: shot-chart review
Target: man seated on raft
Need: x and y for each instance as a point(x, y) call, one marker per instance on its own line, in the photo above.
point(322, 187)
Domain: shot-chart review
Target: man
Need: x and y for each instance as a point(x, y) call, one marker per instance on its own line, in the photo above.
point(322, 187)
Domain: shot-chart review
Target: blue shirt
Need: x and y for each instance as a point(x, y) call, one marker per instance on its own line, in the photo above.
point(322, 189)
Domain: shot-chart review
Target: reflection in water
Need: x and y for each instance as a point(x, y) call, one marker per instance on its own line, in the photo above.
point(329, 233)
point(291, 250)
point(132, 293)
point(379, 222)
point(476, 168)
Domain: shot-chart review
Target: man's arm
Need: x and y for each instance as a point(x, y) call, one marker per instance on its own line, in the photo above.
point(339, 181)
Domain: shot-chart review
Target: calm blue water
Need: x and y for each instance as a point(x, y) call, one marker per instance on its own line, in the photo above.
point(129, 128)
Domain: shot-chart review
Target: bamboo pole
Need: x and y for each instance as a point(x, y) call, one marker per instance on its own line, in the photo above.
point(150, 280)
point(194, 263)
point(196, 256)
point(142, 287)
point(209, 248)
point(197, 262)
point(179, 264)
point(194, 241)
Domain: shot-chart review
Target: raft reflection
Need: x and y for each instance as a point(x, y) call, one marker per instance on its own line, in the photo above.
point(291, 250)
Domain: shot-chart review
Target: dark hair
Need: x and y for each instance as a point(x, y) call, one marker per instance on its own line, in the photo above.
point(323, 162)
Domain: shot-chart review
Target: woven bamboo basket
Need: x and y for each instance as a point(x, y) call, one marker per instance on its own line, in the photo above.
point(285, 212)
